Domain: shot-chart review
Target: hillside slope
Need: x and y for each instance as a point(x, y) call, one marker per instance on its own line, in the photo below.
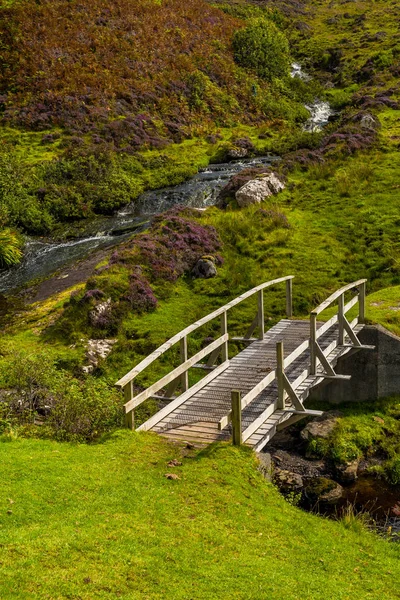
point(128, 73)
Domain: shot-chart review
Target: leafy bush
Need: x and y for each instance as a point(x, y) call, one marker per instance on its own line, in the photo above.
point(262, 47)
point(72, 409)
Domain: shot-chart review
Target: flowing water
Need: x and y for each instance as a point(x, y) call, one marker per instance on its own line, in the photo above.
point(43, 258)
point(319, 110)
point(377, 498)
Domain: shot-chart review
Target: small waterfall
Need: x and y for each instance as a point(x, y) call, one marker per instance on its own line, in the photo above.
point(319, 110)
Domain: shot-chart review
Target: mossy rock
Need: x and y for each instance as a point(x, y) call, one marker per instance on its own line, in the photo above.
point(324, 490)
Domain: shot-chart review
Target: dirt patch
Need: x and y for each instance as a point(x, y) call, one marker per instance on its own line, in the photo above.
point(66, 278)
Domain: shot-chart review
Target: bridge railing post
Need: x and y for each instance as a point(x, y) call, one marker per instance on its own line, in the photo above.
point(361, 302)
point(236, 417)
point(341, 319)
point(260, 314)
point(313, 340)
point(279, 375)
point(224, 330)
point(289, 298)
point(129, 416)
point(184, 357)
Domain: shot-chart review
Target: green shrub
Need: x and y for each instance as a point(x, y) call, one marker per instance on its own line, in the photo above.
point(344, 451)
point(19, 207)
point(383, 60)
point(262, 47)
point(73, 409)
point(392, 469)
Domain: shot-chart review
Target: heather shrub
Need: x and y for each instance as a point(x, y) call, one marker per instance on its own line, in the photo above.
point(174, 245)
point(98, 73)
point(140, 295)
point(262, 47)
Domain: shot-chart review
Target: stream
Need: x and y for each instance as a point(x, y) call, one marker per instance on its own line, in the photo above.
point(42, 258)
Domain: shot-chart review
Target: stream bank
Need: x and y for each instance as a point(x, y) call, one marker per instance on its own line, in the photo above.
point(43, 258)
point(321, 486)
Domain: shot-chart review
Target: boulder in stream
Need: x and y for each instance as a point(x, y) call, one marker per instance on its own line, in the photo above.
point(347, 473)
point(256, 190)
point(324, 490)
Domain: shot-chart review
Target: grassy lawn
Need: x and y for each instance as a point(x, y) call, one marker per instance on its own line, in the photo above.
point(103, 521)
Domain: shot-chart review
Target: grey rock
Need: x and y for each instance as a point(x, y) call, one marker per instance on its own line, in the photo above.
point(96, 350)
point(333, 496)
point(324, 490)
point(265, 466)
point(99, 312)
point(234, 153)
point(288, 481)
point(347, 473)
point(204, 269)
point(257, 190)
point(320, 427)
point(368, 121)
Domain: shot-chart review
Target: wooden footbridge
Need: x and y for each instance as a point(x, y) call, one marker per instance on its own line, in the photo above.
point(261, 389)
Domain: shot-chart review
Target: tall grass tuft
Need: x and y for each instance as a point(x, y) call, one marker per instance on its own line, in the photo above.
point(10, 248)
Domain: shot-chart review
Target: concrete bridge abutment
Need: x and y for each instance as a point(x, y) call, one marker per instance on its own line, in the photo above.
point(374, 373)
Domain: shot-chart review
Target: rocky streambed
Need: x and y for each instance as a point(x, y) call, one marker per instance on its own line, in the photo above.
point(321, 486)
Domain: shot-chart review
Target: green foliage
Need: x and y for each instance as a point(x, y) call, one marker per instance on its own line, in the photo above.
point(392, 470)
point(383, 60)
point(262, 47)
point(356, 521)
point(18, 207)
point(10, 248)
point(365, 430)
point(73, 409)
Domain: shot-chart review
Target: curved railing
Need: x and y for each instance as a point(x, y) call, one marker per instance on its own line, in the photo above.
point(179, 375)
point(344, 327)
point(316, 355)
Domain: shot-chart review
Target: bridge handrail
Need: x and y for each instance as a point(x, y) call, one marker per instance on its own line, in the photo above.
point(326, 303)
point(185, 332)
point(179, 375)
point(344, 327)
point(308, 345)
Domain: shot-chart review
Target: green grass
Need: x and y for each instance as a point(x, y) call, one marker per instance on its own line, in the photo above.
point(364, 430)
point(102, 521)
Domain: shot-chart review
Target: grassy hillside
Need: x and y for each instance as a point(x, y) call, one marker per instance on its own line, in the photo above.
point(103, 521)
point(97, 106)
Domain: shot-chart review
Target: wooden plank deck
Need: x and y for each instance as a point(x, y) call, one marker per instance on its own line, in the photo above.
point(196, 420)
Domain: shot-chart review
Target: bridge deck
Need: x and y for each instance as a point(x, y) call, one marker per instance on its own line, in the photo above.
point(196, 420)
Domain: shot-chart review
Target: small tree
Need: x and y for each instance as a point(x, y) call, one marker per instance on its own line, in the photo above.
point(262, 47)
